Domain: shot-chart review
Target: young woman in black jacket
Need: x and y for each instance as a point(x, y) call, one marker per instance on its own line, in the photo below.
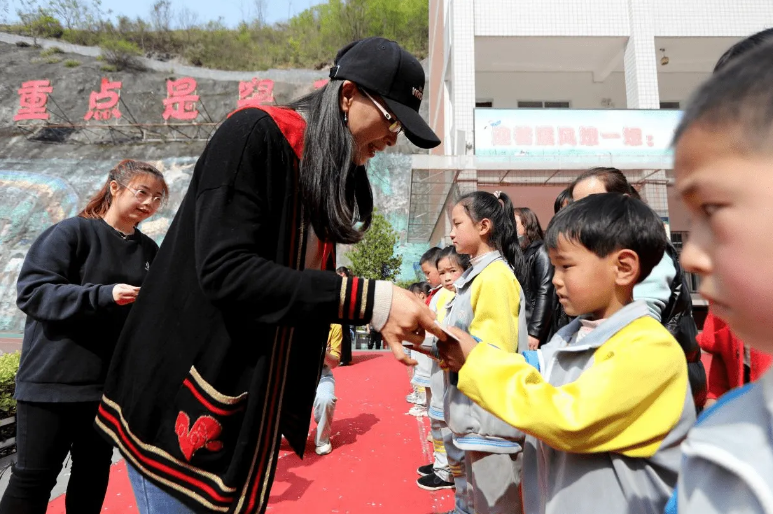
point(76, 286)
point(538, 289)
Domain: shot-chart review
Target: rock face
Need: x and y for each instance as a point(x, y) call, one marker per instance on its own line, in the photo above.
point(48, 174)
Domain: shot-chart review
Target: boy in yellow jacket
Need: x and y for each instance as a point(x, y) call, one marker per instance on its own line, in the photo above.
point(609, 403)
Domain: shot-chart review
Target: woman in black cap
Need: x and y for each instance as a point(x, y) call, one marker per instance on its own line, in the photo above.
point(223, 349)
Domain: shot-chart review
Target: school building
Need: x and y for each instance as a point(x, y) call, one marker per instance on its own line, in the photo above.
point(526, 94)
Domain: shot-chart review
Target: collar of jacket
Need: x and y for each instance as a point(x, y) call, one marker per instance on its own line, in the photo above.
point(474, 270)
point(603, 332)
point(290, 123)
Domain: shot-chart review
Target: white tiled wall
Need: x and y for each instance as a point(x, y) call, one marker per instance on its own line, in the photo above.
point(672, 18)
point(641, 72)
point(551, 17)
point(711, 18)
point(463, 65)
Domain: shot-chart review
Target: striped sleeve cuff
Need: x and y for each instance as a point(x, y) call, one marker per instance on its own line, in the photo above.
point(357, 300)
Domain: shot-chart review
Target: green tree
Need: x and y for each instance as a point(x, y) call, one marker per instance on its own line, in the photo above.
point(374, 257)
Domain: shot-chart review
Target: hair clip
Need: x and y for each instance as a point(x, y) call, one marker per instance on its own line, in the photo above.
point(497, 193)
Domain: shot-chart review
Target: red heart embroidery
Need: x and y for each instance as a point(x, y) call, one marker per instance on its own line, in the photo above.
point(203, 434)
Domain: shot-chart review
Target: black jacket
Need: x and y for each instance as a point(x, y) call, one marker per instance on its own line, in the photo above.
point(223, 350)
point(539, 291)
point(678, 319)
point(65, 288)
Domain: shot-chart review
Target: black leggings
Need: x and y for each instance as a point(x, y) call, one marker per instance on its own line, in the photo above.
point(45, 432)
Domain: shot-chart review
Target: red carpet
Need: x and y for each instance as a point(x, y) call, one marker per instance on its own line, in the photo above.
point(376, 450)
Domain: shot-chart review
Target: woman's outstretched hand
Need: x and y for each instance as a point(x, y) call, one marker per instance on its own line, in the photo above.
point(408, 320)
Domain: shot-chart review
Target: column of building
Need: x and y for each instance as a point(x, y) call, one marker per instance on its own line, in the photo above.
point(641, 88)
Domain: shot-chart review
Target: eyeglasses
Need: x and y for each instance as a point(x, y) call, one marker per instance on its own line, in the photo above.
point(395, 126)
point(143, 196)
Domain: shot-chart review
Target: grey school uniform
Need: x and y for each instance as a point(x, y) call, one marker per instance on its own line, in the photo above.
point(492, 448)
point(728, 456)
point(559, 482)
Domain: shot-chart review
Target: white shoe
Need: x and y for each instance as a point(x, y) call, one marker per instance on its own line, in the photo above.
point(411, 398)
point(418, 411)
point(324, 449)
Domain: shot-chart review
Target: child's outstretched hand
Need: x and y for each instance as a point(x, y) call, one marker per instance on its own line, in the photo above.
point(453, 354)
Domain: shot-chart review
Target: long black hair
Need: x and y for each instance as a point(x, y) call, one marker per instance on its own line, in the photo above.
point(531, 225)
point(336, 193)
point(498, 208)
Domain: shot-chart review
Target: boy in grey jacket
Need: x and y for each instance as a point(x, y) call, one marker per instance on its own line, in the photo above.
point(724, 174)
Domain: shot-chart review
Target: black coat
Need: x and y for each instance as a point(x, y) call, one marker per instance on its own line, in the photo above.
point(223, 349)
point(678, 319)
point(539, 291)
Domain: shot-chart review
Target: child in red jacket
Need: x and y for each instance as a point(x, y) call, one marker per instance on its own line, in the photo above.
point(733, 364)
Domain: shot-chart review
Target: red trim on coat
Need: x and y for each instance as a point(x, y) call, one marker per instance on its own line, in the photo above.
point(212, 408)
point(353, 297)
point(198, 485)
point(292, 124)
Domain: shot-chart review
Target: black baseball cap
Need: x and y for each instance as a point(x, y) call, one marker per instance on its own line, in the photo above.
point(381, 66)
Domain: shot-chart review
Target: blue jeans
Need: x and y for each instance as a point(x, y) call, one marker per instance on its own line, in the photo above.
point(324, 406)
point(153, 500)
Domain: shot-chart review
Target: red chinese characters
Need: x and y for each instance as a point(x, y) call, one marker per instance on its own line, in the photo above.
point(33, 97)
point(524, 136)
point(589, 136)
point(567, 136)
point(256, 92)
point(632, 137)
point(546, 136)
point(500, 136)
point(180, 103)
point(104, 104)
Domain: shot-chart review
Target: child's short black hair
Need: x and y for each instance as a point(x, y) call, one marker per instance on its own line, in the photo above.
point(449, 252)
point(430, 256)
point(744, 46)
point(739, 96)
point(608, 222)
point(420, 287)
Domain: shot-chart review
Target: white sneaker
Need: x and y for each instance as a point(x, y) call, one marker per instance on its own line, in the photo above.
point(324, 449)
point(418, 411)
point(411, 398)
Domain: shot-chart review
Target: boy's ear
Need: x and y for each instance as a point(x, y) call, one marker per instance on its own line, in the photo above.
point(628, 267)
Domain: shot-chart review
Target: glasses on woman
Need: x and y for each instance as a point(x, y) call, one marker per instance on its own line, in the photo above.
point(395, 126)
point(143, 196)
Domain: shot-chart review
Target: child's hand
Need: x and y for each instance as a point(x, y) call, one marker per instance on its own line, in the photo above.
point(452, 353)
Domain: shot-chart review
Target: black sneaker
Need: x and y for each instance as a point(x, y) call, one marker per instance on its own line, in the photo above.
point(425, 470)
point(434, 483)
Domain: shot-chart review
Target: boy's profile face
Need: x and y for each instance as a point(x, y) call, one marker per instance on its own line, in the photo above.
point(431, 274)
point(586, 283)
point(449, 271)
point(730, 199)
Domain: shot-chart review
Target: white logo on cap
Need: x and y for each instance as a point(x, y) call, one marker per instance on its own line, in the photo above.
point(417, 92)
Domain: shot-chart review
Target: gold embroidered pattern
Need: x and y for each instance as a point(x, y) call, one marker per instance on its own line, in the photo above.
point(364, 303)
point(228, 400)
point(137, 464)
point(342, 300)
point(162, 453)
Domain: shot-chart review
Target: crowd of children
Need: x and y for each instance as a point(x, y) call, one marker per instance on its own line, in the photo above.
point(602, 417)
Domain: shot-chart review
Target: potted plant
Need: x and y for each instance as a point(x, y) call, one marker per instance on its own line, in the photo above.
point(9, 364)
